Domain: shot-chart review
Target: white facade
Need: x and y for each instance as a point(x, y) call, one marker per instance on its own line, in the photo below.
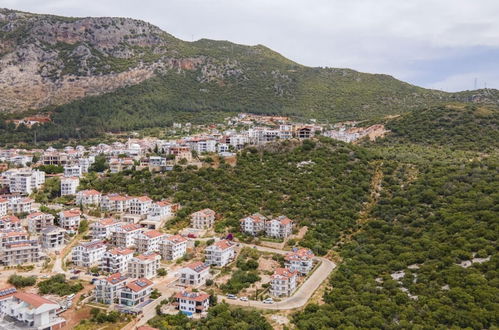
point(173, 247)
point(38, 221)
point(104, 228)
point(283, 282)
point(107, 290)
point(300, 260)
point(88, 254)
point(220, 253)
point(70, 220)
point(203, 219)
point(4, 206)
point(88, 197)
point(281, 227)
point(135, 292)
point(124, 235)
point(116, 260)
point(192, 302)
point(25, 182)
point(253, 224)
point(149, 241)
point(69, 185)
point(72, 171)
point(52, 238)
point(144, 265)
point(140, 205)
point(194, 274)
point(21, 205)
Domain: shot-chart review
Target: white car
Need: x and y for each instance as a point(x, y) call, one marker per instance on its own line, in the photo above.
point(243, 298)
point(268, 301)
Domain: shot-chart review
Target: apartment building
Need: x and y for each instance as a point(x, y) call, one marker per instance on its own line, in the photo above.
point(107, 290)
point(116, 260)
point(280, 227)
point(26, 181)
point(52, 238)
point(88, 254)
point(300, 260)
point(38, 221)
point(173, 247)
point(20, 205)
point(115, 203)
point(149, 240)
point(283, 282)
point(124, 235)
point(89, 197)
point(20, 252)
point(69, 185)
point(194, 274)
point(104, 228)
point(10, 222)
point(70, 220)
point(144, 265)
point(203, 219)
point(10, 235)
point(135, 292)
point(72, 171)
point(31, 311)
point(192, 302)
point(140, 205)
point(162, 210)
point(219, 253)
point(4, 206)
point(253, 224)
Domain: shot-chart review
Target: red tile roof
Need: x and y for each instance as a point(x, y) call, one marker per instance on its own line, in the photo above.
point(283, 273)
point(33, 299)
point(90, 192)
point(120, 251)
point(204, 212)
point(71, 213)
point(301, 254)
point(197, 266)
point(153, 233)
point(147, 256)
point(193, 296)
point(108, 221)
point(176, 239)
point(223, 244)
point(135, 285)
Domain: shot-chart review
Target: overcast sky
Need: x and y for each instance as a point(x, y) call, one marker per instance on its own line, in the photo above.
point(443, 44)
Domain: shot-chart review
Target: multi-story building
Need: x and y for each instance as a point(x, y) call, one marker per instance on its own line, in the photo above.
point(107, 290)
point(115, 203)
point(20, 205)
point(116, 260)
point(70, 220)
point(52, 237)
point(104, 228)
point(31, 310)
point(219, 253)
point(280, 227)
point(135, 293)
point(162, 210)
point(85, 162)
point(300, 260)
point(69, 185)
point(195, 273)
point(283, 282)
point(173, 247)
point(203, 219)
point(72, 171)
point(192, 302)
point(140, 205)
point(39, 220)
point(253, 224)
point(4, 206)
point(124, 235)
point(149, 240)
point(88, 254)
point(26, 181)
point(20, 252)
point(88, 197)
point(10, 222)
point(9, 236)
point(144, 265)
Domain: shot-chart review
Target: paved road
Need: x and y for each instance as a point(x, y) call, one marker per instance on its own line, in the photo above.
point(301, 296)
point(167, 289)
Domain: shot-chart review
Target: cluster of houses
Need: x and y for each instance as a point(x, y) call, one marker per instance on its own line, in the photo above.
point(257, 224)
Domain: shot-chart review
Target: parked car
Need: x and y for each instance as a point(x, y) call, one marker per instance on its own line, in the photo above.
point(73, 278)
point(243, 298)
point(77, 271)
point(231, 296)
point(268, 301)
point(192, 235)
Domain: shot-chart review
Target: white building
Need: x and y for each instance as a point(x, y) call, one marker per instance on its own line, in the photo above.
point(194, 274)
point(38, 221)
point(253, 224)
point(115, 203)
point(192, 302)
point(219, 253)
point(124, 235)
point(88, 197)
point(70, 220)
point(135, 293)
point(69, 185)
point(280, 227)
point(162, 210)
point(21, 205)
point(32, 310)
point(26, 181)
point(140, 205)
point(116, 260)
point(107, 290)
point(10, 222)
point(203, 219)
point(88, 254)
point(52, 238)
point(144, 265)
point(4, 206)
point(149, 240)
point(18, 252)
point(104, 228)
point(72, 171)
point(173, 247)
point(300, 260)
point(283, 282)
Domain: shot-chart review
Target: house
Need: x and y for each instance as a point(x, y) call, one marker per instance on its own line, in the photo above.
point(4, 206)
point(195, 274)
point(219, 253)
point(162, 210)
point(72, 171)
point(21, 205)
point(32, 311)
point(149, 240)
point(304, 132)
point(26, 181)
point(253, 224)
point(20, 252)
point(140, 205)
point(300, 260)
point(107, 290)
point(280, 227)
point(116, 260)
point(115, 203)
point(135, 292)
point(203, 219)
point(70, 220)
point(88, 197)
point(104, 228)
point(88, 254)
point(144, 265)
point(10, 222)
point(173, 247)
point(52, 237)
point(283, 282)
point(192, 302)
point(39, 220)
point(69, 185)
point(125, 234)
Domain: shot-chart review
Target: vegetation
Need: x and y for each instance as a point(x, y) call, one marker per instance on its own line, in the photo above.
point(22, 281)
point(104, 320)
point(58, 285)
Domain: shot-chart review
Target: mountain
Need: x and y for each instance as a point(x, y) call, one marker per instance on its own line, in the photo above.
point(95, 75)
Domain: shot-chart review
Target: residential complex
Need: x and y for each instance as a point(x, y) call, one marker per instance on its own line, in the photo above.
point(203, 219)
point(219, 253)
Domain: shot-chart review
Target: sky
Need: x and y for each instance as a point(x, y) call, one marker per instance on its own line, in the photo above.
point(450, 45)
